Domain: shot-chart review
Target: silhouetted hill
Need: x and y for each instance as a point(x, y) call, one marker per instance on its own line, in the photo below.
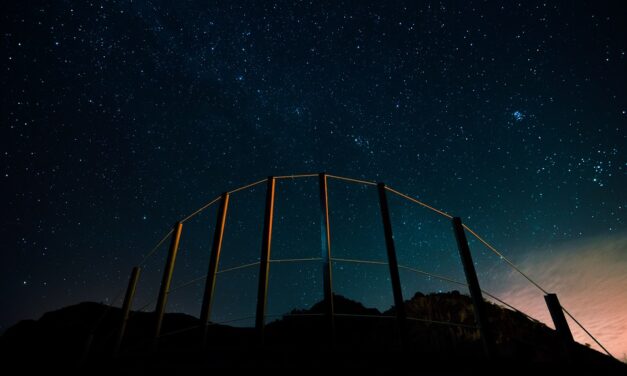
point(341, 305)
point(364, 337)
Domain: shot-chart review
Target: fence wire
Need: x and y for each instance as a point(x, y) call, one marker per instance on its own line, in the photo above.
point(359, 181)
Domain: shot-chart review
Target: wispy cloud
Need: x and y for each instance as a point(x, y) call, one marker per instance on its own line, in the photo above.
point(590, 279)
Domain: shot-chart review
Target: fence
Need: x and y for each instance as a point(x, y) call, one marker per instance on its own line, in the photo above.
point(404, 259)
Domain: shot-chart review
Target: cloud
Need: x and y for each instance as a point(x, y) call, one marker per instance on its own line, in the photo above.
point(590, 279)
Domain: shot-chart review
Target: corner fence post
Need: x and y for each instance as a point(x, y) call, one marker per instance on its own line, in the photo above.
point(165, 282)
point(126, 309)
point(399, 303)
point(559, 320)
point(264, 261)
point(325, 242)
point(214, 259)
point(474, 288)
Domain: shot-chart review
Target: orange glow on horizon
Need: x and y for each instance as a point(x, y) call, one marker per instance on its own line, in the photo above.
point(590, 279)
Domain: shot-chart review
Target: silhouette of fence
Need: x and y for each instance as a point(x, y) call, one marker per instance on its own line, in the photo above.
point(328, 259)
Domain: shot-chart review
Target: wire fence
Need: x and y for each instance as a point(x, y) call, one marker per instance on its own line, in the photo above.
point(406, 267)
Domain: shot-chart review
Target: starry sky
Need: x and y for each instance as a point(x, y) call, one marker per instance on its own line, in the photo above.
point(121, 117)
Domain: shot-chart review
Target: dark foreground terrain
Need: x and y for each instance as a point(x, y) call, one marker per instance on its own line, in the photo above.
point(81, 338)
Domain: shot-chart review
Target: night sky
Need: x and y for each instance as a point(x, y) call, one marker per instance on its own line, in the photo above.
point(120, 118)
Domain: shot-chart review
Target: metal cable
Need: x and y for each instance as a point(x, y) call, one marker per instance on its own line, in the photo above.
point(444, 214)
point(466, 285)
point(298, 259)
point(490, 247)
point(242, 188)
point(587, 332)
point(237, 267)
point(359, 261)
point(352, 180)
point(247, 186)
point(432, 275)
point(509, 306)
point(232, 191)
point(201, 209)
point(295, 176)
point(232, 320)
point(191, 282)
point(149, 255)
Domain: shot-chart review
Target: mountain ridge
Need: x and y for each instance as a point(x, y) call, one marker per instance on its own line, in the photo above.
point(364, 337)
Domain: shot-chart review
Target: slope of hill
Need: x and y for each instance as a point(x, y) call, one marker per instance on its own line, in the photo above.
point(364, 338)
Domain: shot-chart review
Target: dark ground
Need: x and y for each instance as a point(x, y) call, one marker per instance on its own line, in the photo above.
point(301, 340)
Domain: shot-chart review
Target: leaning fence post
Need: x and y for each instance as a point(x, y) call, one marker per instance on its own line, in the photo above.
point(214, 259)
point(326, 253)
point(165, 282)
point(399, 303)
point(264, 261)
point(126, 308)
point(474, 288)
point(559, 320)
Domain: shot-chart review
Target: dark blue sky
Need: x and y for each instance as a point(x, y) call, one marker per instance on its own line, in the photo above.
point(119, 118)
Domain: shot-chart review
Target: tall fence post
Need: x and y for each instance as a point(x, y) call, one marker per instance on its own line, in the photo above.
point(559, 320)
point(474, 288)
point(165, 282)
point(264, 261)
point(214, 258)
point(126, 309)
point(325, 242)
point(399, 303)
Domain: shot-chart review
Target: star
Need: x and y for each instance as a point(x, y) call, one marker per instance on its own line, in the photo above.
point(518, 116)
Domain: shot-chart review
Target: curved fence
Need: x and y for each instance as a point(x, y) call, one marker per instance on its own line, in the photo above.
point(351, 237)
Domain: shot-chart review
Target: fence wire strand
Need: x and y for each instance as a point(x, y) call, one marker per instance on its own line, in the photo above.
point(437, 276)
point(511, 264)
point(201, 209)
point(149, 254)
point(352, 180)
point(230, 192)
point(185, 284)
point(297, 260)
point(237, 267)
point(355, 261)
point(407, 197)
point(232, 320)
point(587, 332)
point(247, 186)
point(359, 181)
point(296, 176)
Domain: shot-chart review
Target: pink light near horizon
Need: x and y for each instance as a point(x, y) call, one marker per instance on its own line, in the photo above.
point(590, 279)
